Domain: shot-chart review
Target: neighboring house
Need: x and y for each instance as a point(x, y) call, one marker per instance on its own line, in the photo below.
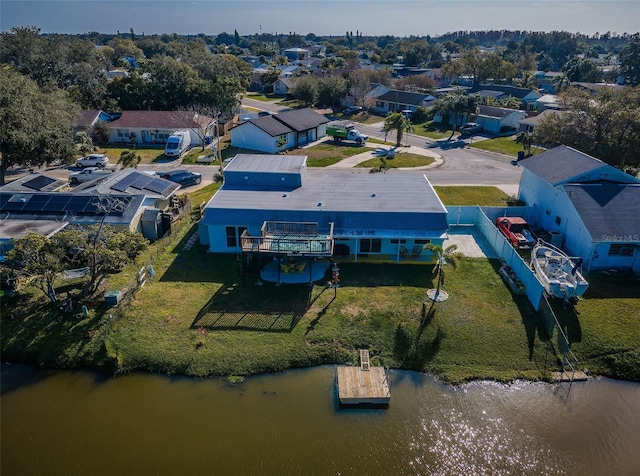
point(376, 90)
point(526, 96)
point(293, 54)
point(590, 207)
point(155, 127)
point(530, 123)
point(278, 132)
point(545, 81)
point(283, 85)
point(35, 182)
point(375, 217)
point(87, 119)
point(395, 101)
point(47, 212)
point(547, 101)
point(499, 119)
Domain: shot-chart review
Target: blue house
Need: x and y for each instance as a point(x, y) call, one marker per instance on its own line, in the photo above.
point(273, 205)
point(591, 208)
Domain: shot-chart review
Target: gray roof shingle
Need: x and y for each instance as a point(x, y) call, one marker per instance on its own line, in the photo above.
point(609, 210)
point(561, 164)
point(301, 119)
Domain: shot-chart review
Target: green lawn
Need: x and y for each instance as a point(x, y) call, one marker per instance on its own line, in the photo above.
point(469, 196)
point(264, 97)
point(503, 145)
point(148, 155)
point(400, 160)
point(199, 317)
point(328, 153)
point(432, 130)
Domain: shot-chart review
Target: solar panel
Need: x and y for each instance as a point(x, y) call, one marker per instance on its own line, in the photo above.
point(77, 204)
point(36, 203)
point(38, 183)
point(13, 206)
point(159, 186)
point(57, 203)
point(125, 183)
point(142, 181)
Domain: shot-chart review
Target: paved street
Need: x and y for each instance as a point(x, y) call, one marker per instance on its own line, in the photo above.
point(456, 163)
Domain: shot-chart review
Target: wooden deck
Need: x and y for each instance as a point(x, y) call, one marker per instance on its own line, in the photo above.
point(363, 384)
point(578, 376)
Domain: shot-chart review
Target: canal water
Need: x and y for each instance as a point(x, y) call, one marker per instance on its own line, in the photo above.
point(82, 423)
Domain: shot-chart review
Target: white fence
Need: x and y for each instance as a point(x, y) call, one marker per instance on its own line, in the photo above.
point(484, 219)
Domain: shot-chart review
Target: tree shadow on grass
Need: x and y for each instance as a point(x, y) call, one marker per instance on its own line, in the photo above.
point(265, 308)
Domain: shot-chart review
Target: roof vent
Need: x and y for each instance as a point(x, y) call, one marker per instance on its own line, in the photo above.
point(319, 204)
point(373, 194)
point(284, 195)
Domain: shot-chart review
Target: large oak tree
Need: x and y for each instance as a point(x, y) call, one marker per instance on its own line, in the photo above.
point(35, 124)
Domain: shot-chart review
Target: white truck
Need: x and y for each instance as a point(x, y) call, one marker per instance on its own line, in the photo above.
point(89, 173)
point(343, 130)
point(177, 143)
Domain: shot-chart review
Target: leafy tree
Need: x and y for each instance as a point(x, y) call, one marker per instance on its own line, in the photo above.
point(604, 126)
point(101, 248)
point(35, 126)
point(305, 89)
point(171, 83)
point(582, 69)
point(271, 76)
point(630, 60)
point(454, 104)
point(129, 158)
point(359, 85)
point(39, 258)
point(100, 132)
point(331, 89)
point(84, 143)
point(125, 47)
point(398, 122)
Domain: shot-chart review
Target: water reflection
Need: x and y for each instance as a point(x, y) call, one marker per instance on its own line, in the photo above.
point(81, 423)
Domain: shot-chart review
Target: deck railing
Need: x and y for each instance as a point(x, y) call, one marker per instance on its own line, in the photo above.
point(289, 238)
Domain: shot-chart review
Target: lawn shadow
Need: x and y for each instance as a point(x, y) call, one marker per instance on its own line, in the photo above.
point(264, 308)
point(612, 284)
point(384, 274)
point(196, 265)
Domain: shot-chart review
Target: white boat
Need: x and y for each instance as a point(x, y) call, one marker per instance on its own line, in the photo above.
point(559, 274)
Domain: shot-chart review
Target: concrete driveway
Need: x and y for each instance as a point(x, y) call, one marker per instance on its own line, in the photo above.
point(470, 242)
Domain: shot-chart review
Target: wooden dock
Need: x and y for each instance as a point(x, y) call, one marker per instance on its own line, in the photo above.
point(363, 384)
point(568, 376)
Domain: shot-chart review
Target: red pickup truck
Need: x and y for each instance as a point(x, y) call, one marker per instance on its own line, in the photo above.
point(517, 231)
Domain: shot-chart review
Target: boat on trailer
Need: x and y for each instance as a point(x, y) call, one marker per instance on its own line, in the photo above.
point(559, 273)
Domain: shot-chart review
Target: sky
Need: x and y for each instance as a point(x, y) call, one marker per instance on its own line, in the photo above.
point(322, 17)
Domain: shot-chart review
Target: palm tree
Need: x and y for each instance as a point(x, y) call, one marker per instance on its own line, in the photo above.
point(444, 256)
point(528, 80)
point(561, 82)
point(455, 104)
point(396, 122)
point(128, 158)
point(526, 139)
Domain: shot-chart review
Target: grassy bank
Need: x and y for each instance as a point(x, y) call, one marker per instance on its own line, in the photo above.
point(198, 317)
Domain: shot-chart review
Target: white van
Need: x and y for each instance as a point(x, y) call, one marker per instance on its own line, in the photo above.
point(177, 143)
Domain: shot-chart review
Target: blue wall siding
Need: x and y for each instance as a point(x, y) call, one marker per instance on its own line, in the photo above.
point(371, 222)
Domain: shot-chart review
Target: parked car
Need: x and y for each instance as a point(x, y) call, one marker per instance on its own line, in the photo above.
point(351, 110)
point(182, 176)
point(517, 231)
point(470, 128)
point(93, 160)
